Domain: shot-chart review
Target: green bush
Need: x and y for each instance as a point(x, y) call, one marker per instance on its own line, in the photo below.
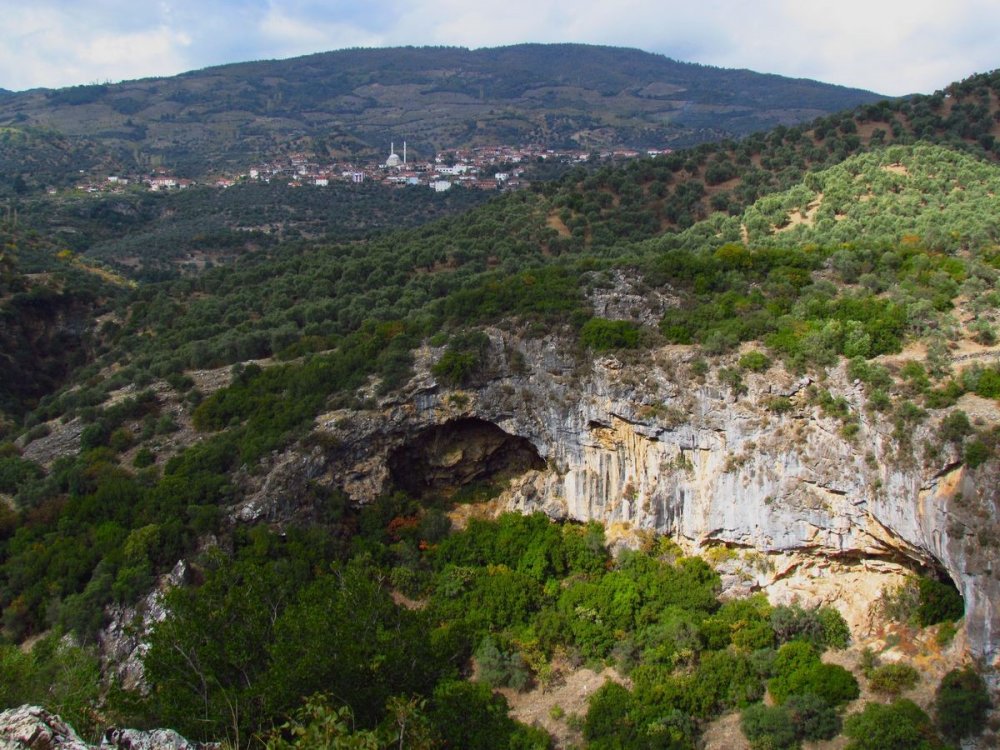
point(55, 674)
point(745, 623)
point(608, 714)
point(605, 335)
point(961, 704)
point(469, 715)
point(797, 670)
point(901, 725)
point(955, 427)
point(15, 471)
point(893, 679)
point(938, 602)
point(769, 728)
point(802, 717)
point(499, 669)
point(836, 631)
point(463, 359)
point(976, 453)
point(795, 623)
point(831, 682)
point(813, 717)
point(755, 361)
point(143, 458)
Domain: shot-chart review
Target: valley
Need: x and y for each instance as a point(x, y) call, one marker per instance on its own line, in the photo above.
point(720, 424)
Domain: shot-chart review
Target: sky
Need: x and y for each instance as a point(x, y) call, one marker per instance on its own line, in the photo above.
point(888, 46)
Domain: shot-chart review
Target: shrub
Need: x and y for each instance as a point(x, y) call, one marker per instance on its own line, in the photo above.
point(607, 715)
point(946, 633)
point(802, 717)
point(900, 603)
point(499, 669)
point(813, 718)
point(144, 458)
point(836, 632)
point(15, 471)
point(955, 427)
point(780, 405)
point(755, 361)
point(901, 725)
point(469, 715)
point(961, 704)
point(603, 335)
point(831, 682)
point(797, 670)
point(463, 359)
point(938, 602)
point(769, 727)
point(976, 454)
point(794, 623)
point(893, 679)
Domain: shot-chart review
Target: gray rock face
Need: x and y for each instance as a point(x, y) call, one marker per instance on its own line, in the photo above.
point(156, 739)
point(34, 728)
point(646, 443)
point(122, 640)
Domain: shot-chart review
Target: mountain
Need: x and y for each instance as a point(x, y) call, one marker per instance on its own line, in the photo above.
point(743, 400)
point(357, 101)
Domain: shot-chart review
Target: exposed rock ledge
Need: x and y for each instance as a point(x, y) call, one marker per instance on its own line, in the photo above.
point(647, 444)
point(34, 728)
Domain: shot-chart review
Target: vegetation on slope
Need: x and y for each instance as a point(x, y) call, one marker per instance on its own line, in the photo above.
point(649, 197)
point(46, 300)
point(96, 529)
point(356, 101)
point(153, 236)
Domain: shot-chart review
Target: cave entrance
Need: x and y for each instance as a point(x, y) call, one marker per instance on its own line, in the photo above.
point(939, 599)
point(446, 458)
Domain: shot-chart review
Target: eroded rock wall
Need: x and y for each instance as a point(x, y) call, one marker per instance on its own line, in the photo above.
point(646, 442)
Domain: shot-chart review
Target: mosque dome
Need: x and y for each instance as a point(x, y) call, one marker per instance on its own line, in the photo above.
point(393, 159)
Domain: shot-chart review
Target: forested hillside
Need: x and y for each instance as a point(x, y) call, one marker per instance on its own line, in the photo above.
point(357, 101)
point(651, 196)
point(48, 302)
point(155, 236)
point(852, 261)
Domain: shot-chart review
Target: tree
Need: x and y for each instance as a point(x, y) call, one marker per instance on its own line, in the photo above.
point(608, 713)
point(901, 725)
point(468, 715)
point(205, 659)
point(769, 727)
point(344, 635)
point(961, 704)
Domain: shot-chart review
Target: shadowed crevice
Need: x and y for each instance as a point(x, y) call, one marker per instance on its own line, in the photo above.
point(449, 456)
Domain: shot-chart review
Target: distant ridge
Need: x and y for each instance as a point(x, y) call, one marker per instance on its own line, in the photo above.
point(355, 101)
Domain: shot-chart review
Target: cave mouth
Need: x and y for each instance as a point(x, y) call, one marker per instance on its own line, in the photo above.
point(444, 458)
point(939, 599)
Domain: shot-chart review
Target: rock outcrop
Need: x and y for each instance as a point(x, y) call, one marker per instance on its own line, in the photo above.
point(650, 443)
point(34, 728)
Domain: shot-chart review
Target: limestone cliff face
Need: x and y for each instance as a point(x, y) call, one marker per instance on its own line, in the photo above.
point(646, 443)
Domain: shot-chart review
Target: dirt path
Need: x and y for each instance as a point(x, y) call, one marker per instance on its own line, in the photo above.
point(550, 709)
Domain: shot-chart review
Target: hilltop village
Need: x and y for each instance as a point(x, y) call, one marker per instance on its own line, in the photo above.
point(497, 167)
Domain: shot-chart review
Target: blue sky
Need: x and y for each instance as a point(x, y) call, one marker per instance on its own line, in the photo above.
point(890, 47)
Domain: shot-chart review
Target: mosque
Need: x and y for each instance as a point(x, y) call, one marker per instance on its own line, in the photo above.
point(393, 159)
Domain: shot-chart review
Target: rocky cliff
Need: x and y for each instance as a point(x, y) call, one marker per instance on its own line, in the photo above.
point(34, 728)
point(653, 442)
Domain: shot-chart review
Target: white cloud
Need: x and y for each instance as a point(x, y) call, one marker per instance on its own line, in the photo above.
point(284, 35)
point(47, 47)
